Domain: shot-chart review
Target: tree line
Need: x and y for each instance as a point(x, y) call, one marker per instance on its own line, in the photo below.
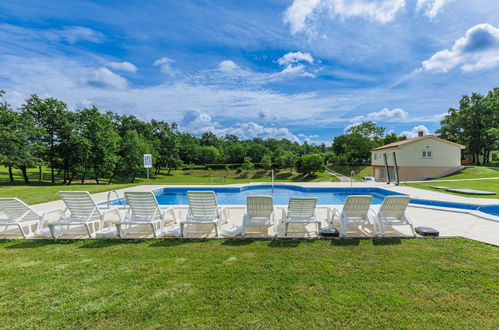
point(104, 146)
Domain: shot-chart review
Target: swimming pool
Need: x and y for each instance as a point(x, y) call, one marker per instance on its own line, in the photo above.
point(282, 193)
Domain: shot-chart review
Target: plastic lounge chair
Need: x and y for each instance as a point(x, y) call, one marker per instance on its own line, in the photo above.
point(356, 212)
point(143, 211)
point(82, 211)
point(392, 213)
point(259, 212)
point(19, 214)
point(300, 210)
point(203, 209)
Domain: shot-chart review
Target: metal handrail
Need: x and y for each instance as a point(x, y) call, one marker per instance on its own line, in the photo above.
point(109, 198)
point(352, 174)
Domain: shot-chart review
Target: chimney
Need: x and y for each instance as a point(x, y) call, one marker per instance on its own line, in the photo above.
point(420, 133)
point(403, 137)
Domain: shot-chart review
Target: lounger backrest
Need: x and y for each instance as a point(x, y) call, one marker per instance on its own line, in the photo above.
point(14, 208)
point(80, 204)
point(143, 204)
point(202, 204)
point(259, 206)
point(357, 206)
point(394, 206)
point(302, 207)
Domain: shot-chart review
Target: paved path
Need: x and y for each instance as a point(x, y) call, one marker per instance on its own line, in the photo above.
point(341, 177)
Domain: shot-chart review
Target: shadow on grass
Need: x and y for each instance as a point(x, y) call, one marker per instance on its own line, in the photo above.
point(291, 243)
point(238, 242)
point(174, 242)
point(103, 243)
point(387, 241)
point(31, 244)
point(345, 242)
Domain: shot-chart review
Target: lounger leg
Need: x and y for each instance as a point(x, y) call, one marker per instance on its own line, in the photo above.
point(88, 230)
point(51, 228)
point(153, 230)
point(118, 229)
point(412, 229)
point(382, 228)
point(286, 229)
point(216, 230)
point(343, 229)
point(181, 229)
point(318, 228)
point(21, 229)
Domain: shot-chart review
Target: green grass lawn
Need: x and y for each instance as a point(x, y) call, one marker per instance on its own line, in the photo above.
point(360, 170)
point(39, 192)
point(474, 173)
point(488, 185)
point(412, 283)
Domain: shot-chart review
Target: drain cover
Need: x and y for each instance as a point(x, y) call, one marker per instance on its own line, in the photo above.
point(330, 232)
point(426, 231)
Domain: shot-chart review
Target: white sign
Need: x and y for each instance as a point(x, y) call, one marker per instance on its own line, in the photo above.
point(147, 161)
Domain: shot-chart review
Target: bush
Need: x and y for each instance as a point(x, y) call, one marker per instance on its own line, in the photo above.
point(310, 164)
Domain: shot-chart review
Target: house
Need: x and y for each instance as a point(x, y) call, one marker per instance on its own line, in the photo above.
point(418, 158)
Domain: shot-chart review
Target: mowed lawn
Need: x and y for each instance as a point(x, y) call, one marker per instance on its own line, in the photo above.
point(412, 283)
point(475, 172)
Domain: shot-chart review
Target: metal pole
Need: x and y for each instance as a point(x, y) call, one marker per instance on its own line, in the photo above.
point(147, 174)
point(386, 169)
point(397, 181)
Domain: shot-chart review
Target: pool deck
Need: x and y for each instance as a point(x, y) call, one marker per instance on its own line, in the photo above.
point(450, 222)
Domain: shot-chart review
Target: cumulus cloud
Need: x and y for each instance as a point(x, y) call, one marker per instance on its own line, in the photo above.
point(293, 64)
point(73, 34)
point(431, 8)
point(198, 122)
point(164, 64)
point(227, 66)
point(414, 132)
point(385, 114)
point(123, 66)
point(105, 78)
point(302, 12)
point(478, 49)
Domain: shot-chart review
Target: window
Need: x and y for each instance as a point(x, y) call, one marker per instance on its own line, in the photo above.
point(427, 154)
point(375, 156)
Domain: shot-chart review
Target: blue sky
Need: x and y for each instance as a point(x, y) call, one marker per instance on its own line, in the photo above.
point(302, 69)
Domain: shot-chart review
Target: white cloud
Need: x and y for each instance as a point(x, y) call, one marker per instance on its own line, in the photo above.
point(227, 66)
point(431, 7)
point(198, 122)
point(105, 78)
point(123, 66)
point(478, 49)
point(293, 65)
point(73, 34)
point(70, 34)
point(295, 57)
point(385, 114)
point(302, 12)
point(164, 64)
point(414, 132)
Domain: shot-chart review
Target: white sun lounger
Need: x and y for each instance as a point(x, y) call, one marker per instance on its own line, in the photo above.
point(356, 212)
point(300, 210)
point(203, 209)
point(143, 211)
point(82, 211)
point(392, 213)
point(259, 213)
point(19, 214)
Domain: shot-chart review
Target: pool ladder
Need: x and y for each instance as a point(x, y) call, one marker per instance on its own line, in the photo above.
point(352, 174)
point(117, 197)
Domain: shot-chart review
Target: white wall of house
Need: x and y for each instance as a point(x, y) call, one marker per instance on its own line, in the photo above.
point(424, 152)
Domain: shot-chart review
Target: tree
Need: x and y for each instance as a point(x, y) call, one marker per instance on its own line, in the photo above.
point(247, 164)
point(369, 130)
point(166, 146)
point(132, 150)
point(51, 115)
point(103, 141)
point(310, 164)
point(208, 155)
point(266, 162)
point(18, 141)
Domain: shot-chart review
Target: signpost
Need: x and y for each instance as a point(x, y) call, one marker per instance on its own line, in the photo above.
point(147, 163)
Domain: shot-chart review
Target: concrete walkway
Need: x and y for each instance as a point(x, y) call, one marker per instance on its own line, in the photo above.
point(341, 177)
point(449, 222)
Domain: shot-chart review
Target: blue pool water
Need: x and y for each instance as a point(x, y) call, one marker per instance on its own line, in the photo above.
point(282, 193)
